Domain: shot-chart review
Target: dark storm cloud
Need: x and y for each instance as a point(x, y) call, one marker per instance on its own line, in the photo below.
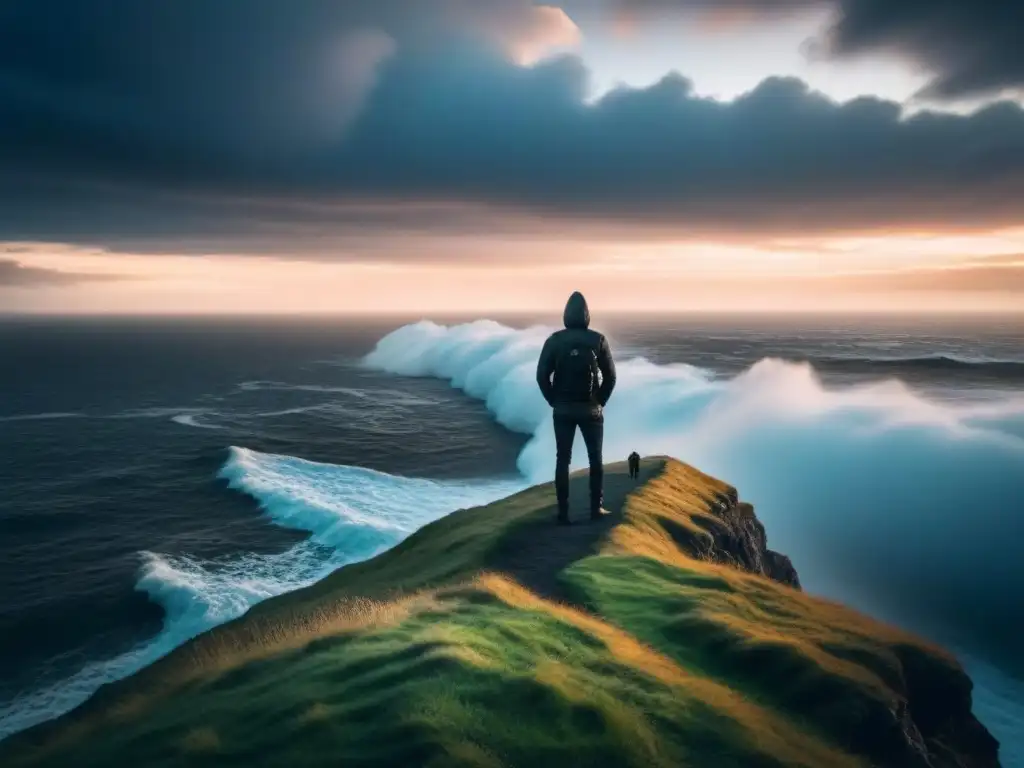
point(181, 84)
point(14, 274)
point(225, 126)
point(972, 47)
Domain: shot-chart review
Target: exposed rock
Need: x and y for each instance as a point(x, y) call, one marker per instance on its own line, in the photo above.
point(939, 703)
point(736, 537)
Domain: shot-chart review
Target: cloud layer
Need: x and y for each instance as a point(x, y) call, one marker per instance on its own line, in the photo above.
point(972, 47)
point(313, 124)
point(14, 274)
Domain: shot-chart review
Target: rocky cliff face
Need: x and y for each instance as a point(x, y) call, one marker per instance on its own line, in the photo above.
point(734, 536)
point(931, 724)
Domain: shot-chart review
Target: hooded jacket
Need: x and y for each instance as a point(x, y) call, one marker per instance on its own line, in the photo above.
point(576, 319)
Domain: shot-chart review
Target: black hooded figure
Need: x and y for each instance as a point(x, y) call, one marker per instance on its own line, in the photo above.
point(634, 465)
point(576, 375)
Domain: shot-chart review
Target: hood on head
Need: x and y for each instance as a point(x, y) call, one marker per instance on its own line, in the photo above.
point(577, 313)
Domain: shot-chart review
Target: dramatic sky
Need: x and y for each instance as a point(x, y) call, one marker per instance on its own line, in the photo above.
point(493, 155)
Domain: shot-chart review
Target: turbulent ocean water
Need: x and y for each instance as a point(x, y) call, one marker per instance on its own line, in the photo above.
point(162, 476)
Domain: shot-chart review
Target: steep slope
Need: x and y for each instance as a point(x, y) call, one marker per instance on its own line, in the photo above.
point(666, 635)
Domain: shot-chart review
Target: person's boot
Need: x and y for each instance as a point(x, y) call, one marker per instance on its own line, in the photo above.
point(597, 511)
point(563, 517)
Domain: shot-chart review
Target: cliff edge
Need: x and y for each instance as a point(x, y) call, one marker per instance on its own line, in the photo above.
point(666, 635)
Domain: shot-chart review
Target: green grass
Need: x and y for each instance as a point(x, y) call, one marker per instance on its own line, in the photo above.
point(430, 655)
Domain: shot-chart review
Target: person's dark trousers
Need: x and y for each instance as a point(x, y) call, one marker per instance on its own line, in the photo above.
point(592, 429)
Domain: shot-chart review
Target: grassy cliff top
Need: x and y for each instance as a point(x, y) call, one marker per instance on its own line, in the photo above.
point(494, 638)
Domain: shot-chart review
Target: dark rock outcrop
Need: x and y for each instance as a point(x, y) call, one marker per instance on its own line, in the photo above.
point(734, 536)
point(938, 706)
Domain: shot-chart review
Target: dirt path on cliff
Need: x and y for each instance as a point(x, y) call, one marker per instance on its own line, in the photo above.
point(536, 554)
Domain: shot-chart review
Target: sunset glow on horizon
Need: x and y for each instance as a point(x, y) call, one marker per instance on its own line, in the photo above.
point(896, 273)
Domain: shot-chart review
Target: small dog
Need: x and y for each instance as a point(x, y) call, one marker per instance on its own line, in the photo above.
point(634, 465)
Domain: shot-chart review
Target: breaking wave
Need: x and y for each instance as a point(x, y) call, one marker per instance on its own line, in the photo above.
point(351, 513)
point(1005, 370)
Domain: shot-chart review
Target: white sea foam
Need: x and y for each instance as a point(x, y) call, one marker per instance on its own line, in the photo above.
point(351, 513)
point(42, 416)
point(192, 420)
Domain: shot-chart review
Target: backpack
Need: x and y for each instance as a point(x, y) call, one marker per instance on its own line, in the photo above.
point(576, 373)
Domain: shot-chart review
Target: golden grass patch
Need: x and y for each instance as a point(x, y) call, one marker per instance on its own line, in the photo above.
point(763, 728)
point(676, 494)
point(234, 646)
point(317, 713)
point(201, 740)
point(266, 637)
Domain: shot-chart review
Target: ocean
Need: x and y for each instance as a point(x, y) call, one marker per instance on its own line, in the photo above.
point(161, 476)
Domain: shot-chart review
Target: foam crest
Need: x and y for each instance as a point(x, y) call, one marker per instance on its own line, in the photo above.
point(192, 420)
point(195, 596)
point(485, 359)
point(349, 509)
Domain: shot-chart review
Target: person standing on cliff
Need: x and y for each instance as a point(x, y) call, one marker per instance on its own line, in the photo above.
point(576, 375)
point(634, 465)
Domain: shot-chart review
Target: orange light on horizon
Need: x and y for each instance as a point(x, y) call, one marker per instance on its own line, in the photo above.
point(870, 273)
